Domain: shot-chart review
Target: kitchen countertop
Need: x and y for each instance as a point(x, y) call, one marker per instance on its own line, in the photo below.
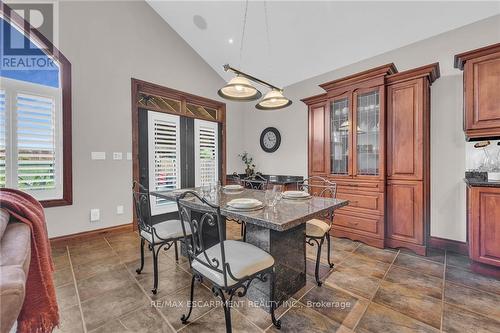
point(478, 182)
point(277, 179)
point(284, 216)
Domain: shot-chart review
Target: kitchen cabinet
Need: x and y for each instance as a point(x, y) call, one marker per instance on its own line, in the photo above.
point(408, 157)
point(484, 224)
point(481, 86)
point(376, 143)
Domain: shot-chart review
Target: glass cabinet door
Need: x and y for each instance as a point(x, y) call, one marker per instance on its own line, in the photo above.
point(339, 136)
point(367, 133)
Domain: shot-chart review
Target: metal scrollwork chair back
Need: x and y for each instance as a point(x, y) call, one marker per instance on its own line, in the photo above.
point(256, 182)
point(164, 234)
point(317, 230)
point(212, 261)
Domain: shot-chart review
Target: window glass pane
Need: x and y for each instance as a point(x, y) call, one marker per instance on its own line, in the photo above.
point(36, 144)
point(161, 103)
point(368, 128)
point(33, 67)
point(339, 137)
point(201, 111)
point(206, 153)
point(164, 158)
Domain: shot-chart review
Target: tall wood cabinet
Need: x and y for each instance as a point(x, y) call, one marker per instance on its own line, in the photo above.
point(408, 157)
point(369, 133)
point(481, 91)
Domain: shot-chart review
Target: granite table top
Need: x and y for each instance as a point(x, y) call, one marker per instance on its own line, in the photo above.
point(285, 215)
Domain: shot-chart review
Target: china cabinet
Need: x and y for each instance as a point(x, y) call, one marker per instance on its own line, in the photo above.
point(369, 133)
point(481, 86)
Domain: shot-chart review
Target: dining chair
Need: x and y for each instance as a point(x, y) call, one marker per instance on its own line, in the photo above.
point(229, 265)
point(317, 230)
point(159, 235)
point(256, 182)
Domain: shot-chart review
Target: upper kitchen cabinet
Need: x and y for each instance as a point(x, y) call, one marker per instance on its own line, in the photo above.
point(481, 91)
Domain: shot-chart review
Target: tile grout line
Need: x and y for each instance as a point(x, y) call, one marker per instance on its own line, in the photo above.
point(76, 290)
point(442, 291)
point(376, 290)
point(141, 288)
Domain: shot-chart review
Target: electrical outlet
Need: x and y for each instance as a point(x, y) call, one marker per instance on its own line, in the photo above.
point(119, 210)
point(117, 155)
point(129, 156)
point(95, 215)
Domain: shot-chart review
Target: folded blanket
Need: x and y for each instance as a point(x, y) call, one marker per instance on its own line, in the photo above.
point(40, 312)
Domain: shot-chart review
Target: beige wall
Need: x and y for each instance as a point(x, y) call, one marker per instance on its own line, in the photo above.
point(108, 43)
point(448, 151)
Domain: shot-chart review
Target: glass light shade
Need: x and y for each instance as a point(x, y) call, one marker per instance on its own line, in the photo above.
point(239, 89)
point(273, 100)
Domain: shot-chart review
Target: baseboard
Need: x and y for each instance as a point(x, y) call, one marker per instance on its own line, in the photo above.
point(449, 244)
point(62, 240)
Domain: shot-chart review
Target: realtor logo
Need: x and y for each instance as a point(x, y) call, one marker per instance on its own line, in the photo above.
point(18, 50)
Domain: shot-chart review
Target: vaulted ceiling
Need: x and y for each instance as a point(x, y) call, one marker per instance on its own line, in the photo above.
point(309, 38)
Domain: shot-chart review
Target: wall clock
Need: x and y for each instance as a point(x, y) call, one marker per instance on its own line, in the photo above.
point(270, 139)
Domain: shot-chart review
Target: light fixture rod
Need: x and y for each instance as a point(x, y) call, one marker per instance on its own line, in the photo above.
point(227, 67)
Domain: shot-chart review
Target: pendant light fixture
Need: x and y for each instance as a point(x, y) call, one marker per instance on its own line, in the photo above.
point(273, 100)
point(240, 88)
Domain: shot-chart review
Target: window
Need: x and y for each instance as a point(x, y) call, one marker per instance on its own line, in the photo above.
point(206, 152)
point(164, 159)
point(31, 139)
point(35, 113)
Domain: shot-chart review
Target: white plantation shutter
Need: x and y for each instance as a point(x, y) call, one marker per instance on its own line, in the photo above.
point(206, 152)
point(3, 138)
point(31, 151)
point(164, 159)
point(36, 143)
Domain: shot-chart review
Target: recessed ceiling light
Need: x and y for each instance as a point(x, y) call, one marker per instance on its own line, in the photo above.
point(230, 41)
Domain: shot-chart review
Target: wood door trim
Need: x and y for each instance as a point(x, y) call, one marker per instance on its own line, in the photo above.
point(140, 86)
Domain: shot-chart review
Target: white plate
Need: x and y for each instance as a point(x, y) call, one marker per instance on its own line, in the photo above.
point(233, 187)
point(295, 194)
point(245, 209)
point(244, 203)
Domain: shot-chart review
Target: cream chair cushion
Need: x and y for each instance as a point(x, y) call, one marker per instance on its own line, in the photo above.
point(244, 259)
point(316, 228)
point(167, 230)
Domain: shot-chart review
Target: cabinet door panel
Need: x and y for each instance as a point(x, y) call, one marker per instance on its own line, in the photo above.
point(405, 130)
point(485, 225)
point(364, 224)
point(405, 220)
point(371, 203)
point(482, 84)
point(317, 144)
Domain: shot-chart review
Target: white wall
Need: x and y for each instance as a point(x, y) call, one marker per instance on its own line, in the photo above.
point(108, 43)
point(448, 147)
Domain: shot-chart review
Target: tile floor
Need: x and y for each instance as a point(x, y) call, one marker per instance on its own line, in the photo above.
point(369, 290)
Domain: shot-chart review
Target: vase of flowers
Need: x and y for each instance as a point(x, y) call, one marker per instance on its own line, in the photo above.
point(249, 166)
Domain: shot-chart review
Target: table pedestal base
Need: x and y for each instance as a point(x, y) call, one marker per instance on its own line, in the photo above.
point(288, 249)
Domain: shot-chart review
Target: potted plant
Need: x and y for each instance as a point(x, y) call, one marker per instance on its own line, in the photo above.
point(249, 166)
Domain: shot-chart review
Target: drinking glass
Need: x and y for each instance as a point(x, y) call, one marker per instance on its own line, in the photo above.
point(205, 189)
point(269, 196)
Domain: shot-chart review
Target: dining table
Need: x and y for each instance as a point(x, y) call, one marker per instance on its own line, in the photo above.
point(279, 230)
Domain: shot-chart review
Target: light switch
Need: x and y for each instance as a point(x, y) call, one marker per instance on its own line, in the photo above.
point(119, 210)
point(95, 215)
point(117, 155)
point(129, 156)
point(98, 155)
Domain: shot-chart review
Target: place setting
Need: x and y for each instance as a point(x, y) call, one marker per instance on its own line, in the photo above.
point(296, 195)
point(245, 205)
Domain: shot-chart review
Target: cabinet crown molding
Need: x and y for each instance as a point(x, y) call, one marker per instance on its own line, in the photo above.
point(383, 70)
point(430, 71)
point(315, 99)
point(461, 58)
